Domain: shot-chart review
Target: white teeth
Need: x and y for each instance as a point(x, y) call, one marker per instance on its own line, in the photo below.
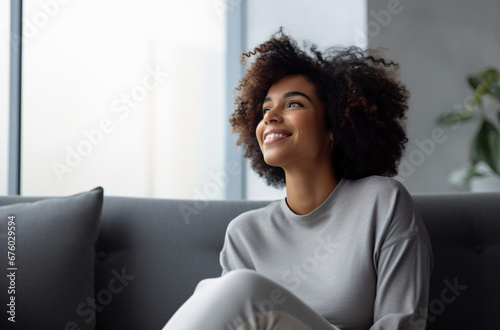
point(273, 135)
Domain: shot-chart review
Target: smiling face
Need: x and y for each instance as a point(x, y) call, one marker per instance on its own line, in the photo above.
point(293, 129)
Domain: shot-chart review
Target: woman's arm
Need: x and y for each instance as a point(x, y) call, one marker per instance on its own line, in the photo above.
point(404, 264)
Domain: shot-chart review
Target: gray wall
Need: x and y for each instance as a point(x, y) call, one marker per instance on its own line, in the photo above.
point(437, 44)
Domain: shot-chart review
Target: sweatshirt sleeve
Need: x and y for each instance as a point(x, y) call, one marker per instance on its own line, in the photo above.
point(234, 255)
point(403, 264)
point(226, 259)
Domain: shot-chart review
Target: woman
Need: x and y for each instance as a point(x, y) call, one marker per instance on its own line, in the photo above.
point(344, 249)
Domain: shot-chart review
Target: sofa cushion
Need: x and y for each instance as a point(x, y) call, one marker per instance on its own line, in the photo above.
point(51, 262)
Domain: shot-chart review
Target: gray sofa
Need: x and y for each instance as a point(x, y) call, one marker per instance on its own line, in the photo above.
point(159, 250)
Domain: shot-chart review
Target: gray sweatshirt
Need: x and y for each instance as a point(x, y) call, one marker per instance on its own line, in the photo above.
point(362, 259)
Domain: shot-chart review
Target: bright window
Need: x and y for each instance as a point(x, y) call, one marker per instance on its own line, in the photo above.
point(128, 95)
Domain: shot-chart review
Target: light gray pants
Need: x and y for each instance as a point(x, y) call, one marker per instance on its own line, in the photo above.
point(243, 300)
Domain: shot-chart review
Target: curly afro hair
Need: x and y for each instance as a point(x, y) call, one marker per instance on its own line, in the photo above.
point(364, 102)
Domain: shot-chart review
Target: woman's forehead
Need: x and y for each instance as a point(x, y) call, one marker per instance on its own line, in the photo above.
point(292, 83)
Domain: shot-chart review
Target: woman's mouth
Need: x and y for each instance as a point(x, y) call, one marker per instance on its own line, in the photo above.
point(273, 137)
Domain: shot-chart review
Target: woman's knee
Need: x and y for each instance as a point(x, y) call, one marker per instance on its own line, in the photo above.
point(235, 279)
point(242, 274)
point(265, 293)
point(246, 278)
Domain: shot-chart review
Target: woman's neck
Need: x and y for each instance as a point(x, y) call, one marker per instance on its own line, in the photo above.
point(308, 189)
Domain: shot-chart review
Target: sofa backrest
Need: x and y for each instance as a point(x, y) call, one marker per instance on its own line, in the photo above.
point(158, 250)
point(465, 283)
point(168, 245)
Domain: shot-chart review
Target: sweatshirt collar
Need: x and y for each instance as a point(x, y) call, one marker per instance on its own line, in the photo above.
point(317, 212)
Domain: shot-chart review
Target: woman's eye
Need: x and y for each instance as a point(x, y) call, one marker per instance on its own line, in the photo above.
point(265, 110)
point(294, 104)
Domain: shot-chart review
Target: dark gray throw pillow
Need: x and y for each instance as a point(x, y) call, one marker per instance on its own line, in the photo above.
point(47, 259)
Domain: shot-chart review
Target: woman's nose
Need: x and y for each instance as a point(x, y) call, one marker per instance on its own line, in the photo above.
point(272, 115)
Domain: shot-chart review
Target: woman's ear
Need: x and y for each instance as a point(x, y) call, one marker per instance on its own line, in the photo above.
point(330, 138)
point(331, 143)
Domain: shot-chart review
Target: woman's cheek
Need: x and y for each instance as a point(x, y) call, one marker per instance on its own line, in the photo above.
point(258, 133)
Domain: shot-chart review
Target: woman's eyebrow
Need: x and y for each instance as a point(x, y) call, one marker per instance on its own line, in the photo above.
point(290, 94)
point(287, 95)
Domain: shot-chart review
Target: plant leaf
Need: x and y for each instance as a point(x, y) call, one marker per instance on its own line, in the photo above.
point(494, 89)
point(481, 88)
point(485, 82)
point(478, 78)
point(486, 146)
point(456, 116)
point(462, 174)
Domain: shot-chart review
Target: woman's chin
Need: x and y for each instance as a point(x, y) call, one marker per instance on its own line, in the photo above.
point(273, 161)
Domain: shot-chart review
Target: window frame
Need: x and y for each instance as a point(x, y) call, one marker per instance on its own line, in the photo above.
point(14, 156)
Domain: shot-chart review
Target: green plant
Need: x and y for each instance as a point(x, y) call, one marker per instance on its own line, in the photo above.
point(484, 107)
